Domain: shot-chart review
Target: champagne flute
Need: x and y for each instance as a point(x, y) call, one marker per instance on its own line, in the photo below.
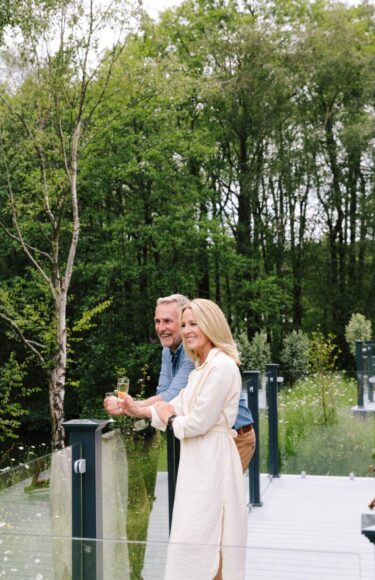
point(122, 387)
point(110, 418)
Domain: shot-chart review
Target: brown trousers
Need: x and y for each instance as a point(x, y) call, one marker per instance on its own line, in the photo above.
point(246, 443)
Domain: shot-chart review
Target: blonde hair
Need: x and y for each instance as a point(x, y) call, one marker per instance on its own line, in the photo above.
point(212, 322)
point(180, 300)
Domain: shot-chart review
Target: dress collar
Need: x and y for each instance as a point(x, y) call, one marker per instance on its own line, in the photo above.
point(213, 352)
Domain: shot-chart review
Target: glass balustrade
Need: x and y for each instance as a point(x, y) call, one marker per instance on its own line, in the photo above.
point(319, 433)
point(36, 517)
point(31, 558)
point(320, 429)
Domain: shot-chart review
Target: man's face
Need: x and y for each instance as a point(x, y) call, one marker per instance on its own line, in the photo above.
point(167, 325)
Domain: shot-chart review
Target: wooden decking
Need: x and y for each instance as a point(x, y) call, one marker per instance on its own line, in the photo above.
point(308, 528)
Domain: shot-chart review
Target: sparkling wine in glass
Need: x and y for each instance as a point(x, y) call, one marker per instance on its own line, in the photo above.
point(122, 387)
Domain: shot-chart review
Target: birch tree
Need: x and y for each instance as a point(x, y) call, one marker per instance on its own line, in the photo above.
point(59, 76)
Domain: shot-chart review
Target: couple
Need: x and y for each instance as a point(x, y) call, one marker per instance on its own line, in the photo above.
point(209, 516)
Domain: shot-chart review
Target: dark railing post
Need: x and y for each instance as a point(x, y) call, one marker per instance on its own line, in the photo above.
point(173, 458)
point(370, 369)
point(273, 444)
point(368, 526)
point(360, 369)
point(87, 501)
point(251, 379)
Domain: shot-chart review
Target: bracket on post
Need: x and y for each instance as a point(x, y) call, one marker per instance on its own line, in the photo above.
point(79, 466)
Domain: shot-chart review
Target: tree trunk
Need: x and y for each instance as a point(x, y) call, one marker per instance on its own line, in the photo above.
point(204, 277)
point(57, 377)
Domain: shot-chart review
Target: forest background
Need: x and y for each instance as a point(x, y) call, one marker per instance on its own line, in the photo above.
point(224, 151)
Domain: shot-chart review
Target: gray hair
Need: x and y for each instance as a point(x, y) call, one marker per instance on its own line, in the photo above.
point(180, 300)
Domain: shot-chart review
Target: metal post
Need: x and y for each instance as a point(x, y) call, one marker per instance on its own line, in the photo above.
point(173, 457)
point(368, 526)
point(251, 379)
point(273, 444)
point(87, 500)
point(370, 369)
point(370, 534)
point(359, 367)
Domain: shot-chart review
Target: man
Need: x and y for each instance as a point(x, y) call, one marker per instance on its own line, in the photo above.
point(175, 364)
point(175, 370)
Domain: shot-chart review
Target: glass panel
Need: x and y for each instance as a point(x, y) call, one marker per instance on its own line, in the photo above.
point(27, 557)
point(262, 441)
point(321, 429)
point(131, 464)
point(36, 496)
point(31, 557)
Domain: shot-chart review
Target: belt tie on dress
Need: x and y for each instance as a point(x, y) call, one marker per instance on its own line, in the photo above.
point(223, 429)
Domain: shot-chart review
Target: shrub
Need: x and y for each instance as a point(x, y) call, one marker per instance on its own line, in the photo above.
point(295, 354)
point(255, 354)
point(243, 346)
point(323, 352)
point(358, 328)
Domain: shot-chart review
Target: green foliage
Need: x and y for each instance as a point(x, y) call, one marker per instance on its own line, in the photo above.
point(13, 395)
point(198, 173)
point(338, 449)
point(318, 433)
point(323, 352)
point(358, 328)
point(255, 354)
point(26, 301)
point(243, 346)
point(86, 321)
point(295, 354)
point(143, 454)
point(315, 405)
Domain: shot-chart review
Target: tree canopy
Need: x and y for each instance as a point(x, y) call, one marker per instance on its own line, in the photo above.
point(223, 151)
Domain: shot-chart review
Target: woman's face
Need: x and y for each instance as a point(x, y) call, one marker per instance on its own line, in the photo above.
point(194, 338)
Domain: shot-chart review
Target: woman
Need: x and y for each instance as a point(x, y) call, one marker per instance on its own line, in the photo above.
point(209, 515)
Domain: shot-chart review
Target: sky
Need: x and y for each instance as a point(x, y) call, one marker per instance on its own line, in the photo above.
point(153, 7)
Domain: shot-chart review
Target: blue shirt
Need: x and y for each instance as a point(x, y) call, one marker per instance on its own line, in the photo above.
point(244, 416)
point(174, 373)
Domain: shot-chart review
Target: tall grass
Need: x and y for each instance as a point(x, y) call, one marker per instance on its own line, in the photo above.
point(318, 431)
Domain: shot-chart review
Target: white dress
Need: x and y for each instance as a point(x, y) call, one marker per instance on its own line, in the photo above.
point(209, 514)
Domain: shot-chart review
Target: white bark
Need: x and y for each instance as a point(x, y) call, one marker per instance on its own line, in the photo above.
point(58, 374)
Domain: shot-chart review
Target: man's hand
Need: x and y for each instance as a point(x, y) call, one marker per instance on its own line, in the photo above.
point(150, 401)
point(164, 410)
point(112, 406)
point(133, 409)
point(125, 406)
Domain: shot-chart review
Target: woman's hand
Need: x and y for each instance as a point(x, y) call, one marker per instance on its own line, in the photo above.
point(164, 410)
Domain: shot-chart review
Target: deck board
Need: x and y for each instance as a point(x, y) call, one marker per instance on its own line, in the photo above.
point(307, 529)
